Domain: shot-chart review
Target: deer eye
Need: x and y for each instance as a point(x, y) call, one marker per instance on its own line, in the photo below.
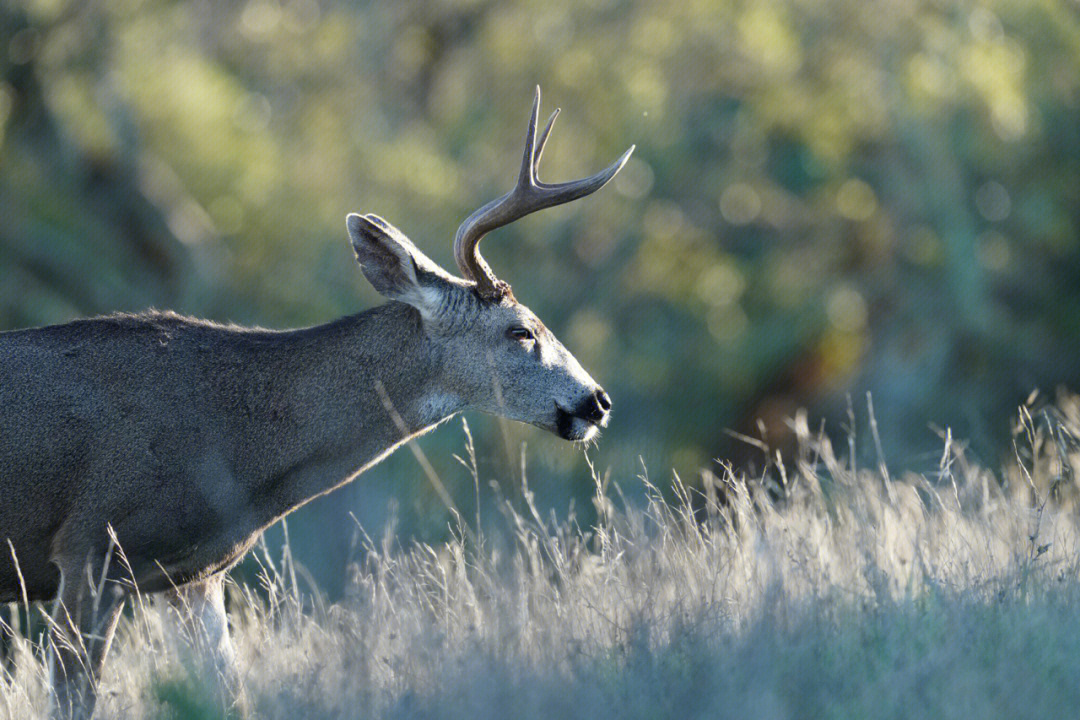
point(521, 334)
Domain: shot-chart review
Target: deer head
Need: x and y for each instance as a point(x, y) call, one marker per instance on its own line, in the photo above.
point(492, 353)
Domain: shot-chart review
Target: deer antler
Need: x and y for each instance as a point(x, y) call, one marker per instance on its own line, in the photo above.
point(528, 196)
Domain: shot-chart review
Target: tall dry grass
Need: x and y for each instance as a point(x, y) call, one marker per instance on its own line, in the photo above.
point(817, 588)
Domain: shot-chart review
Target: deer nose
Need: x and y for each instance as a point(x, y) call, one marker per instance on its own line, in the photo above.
point(596, 407)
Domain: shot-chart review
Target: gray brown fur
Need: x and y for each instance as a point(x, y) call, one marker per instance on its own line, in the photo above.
point(171, 429)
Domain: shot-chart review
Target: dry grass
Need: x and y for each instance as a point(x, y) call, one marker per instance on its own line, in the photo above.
point(816, 590)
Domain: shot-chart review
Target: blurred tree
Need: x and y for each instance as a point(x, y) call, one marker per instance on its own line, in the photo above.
point(78, 235)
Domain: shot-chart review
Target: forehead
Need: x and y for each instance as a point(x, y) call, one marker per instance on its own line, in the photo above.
point(510, 311)
point(463, 311)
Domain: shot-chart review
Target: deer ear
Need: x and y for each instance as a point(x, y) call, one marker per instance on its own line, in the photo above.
point(393, 265)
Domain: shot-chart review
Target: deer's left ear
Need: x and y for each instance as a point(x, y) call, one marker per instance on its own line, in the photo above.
point(393, 265)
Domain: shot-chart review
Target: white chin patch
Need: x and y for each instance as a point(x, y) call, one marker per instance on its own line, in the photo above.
point(589, 434)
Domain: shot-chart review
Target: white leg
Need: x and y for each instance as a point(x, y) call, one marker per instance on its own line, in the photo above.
point(81, 632)
point(200, 611)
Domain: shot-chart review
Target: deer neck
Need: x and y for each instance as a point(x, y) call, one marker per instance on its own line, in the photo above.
point(360, 387)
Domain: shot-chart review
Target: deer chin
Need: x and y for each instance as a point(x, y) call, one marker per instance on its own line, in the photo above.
point(573, 428)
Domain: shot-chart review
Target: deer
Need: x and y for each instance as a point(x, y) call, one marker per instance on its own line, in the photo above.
point(148, 452)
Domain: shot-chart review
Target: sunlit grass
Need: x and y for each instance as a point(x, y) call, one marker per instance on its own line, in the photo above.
point(814, 589)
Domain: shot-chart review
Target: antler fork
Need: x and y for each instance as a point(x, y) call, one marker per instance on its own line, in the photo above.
point(528, 196)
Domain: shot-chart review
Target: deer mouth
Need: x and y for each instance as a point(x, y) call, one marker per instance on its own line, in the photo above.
point(573, 427)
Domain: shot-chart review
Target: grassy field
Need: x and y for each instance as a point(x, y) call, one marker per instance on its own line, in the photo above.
point(814, 589)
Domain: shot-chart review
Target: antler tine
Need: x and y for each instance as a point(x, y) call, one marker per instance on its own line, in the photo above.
point(528, 196)
point(543, 141)
point(527, 176)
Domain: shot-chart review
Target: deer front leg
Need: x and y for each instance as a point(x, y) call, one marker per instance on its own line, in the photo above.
point(82, 629)
point(200, 611)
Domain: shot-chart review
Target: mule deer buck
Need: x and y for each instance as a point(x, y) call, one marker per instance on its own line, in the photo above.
point(176, 442)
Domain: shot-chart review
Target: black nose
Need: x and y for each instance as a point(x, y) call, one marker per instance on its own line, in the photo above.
point(596, 406)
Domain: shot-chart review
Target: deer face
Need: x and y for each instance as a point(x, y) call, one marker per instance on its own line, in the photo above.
point(518, 369)
point(493, 355)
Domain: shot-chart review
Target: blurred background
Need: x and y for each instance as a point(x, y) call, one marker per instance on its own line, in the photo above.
point(828, 198)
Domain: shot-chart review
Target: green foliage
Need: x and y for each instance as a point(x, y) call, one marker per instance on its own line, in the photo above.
point(186, 699)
